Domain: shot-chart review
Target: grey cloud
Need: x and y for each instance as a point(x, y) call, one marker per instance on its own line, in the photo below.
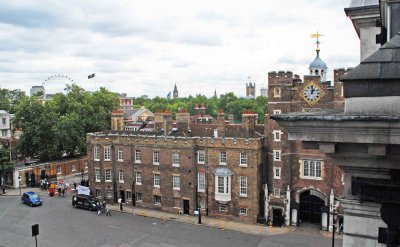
point(26, 16)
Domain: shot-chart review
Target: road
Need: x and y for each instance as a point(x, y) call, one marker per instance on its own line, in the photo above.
point(62, 225)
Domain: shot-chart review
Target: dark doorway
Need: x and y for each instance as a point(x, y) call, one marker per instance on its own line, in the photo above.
point(122, 195)
point(277, 218)
point(310, 208)
point(185, 206)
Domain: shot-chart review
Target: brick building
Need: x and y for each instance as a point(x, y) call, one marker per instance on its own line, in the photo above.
point(183, 165)
point(301, 180)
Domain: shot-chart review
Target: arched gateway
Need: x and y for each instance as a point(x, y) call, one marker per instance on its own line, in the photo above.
point(311, 202)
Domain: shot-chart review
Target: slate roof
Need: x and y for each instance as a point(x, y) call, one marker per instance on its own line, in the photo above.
point(383, 64)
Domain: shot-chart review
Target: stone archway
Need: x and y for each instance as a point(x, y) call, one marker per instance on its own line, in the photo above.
point(311, 201)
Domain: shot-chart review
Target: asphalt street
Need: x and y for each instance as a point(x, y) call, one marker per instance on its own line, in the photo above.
point(62, 225)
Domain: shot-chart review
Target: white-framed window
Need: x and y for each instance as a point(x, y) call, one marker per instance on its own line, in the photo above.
point(222, 158)
point(129, 196)
point(276, 134)
point(107, 175)
point(156, 157)
point(59, 171)
point(138, 178)
point(201, 157)
point(157, 200)
point(96, 153)
point(277, 155)
point(277, 112)
point(73, 167)
point(222, 208)
point(175, 159)
point(157, 180)
point(109, 193)
point(107, 153)
point(120, 154)
point(312, 169)
point(223, 184)
point(243, 186)
point(243, 159)
point(138, 156)
point(176, 182)
point(139, 197)
point(277, 192)
point(4, 121)
point(97, 175)
point(277, 172)
point(121, 176)
point(243, 211)
point(201, 182)
point(277, 92)
point(98, 193)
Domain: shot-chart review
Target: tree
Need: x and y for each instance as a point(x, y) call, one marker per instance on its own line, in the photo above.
point(6, 164)
point(58, 127)
point(10, 98)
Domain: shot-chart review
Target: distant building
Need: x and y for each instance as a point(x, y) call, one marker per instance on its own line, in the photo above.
point(264, 92)
point(175, 92)
point(124, 101)
point(5, 124)
point(250, 90)
point(38, 90)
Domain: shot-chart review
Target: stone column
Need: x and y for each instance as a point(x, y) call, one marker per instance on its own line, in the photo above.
point(287, 213)
point(331, 210)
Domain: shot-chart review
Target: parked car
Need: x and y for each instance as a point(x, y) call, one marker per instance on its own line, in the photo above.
point(84, 201)
point(31, 198)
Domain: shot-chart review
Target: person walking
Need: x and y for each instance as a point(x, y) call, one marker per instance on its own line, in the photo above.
point(98, 206)
point(75, 186)
point(108, 212)
point(120, 204)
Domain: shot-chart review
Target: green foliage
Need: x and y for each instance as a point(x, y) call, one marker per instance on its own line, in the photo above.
point(9, 99)
point(58, 127)
point(6, 164)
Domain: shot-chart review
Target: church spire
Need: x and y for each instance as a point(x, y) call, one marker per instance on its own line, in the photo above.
point(175, 93)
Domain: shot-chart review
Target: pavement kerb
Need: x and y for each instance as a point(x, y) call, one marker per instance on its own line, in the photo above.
point(263, 231)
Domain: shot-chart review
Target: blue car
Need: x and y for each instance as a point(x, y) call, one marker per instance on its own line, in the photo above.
point(31, 198)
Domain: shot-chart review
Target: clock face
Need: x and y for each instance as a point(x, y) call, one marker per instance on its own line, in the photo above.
point(312, 93)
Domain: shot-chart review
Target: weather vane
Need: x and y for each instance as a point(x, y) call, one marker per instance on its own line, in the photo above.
point(316, 35)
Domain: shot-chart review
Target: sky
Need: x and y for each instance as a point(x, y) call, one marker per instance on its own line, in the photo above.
point(146, 47)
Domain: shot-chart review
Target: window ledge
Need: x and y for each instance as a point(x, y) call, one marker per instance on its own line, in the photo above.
point(177, 189)
point(156, 164)
point(175, 165)
point(242, 165)
point(156, 186)
point(108, 181)
point(138, 161)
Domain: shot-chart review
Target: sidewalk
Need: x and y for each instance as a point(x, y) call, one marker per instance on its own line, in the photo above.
point(262, 230)
point(16, 192)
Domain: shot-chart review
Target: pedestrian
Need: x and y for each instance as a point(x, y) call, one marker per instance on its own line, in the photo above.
point(104, 206)
point(75, 186)
point(63, 192)
point(59, 191)
point(98, 205)
point(120, 204)
point(108, 212)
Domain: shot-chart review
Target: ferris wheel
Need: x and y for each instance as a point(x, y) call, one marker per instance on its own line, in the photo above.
point(57, 76)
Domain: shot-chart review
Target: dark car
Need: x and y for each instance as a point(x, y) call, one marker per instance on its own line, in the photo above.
point(31, 198)
point(84, 201)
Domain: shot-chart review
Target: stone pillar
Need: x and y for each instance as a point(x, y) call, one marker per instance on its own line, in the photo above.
point(331, 210)
point(287, 213)
point(266, 202)
point(117, 120)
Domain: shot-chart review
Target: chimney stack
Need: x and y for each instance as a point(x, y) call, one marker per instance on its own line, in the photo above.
point(249, 121)
point(117, 120)
point(221, 122)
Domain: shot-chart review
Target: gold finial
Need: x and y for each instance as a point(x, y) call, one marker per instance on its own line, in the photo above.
point(316, 35)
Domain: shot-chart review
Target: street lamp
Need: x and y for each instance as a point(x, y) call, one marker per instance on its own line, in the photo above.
point(19, 183)
point(82, 172)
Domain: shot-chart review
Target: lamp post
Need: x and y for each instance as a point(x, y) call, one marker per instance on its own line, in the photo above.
point(19, 184)
point(82, 172)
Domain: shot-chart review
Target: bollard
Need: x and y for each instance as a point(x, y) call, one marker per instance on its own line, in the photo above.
point(222, 227)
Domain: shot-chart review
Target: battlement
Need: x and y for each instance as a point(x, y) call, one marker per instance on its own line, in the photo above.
point(281, 74)
point(339, 72)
